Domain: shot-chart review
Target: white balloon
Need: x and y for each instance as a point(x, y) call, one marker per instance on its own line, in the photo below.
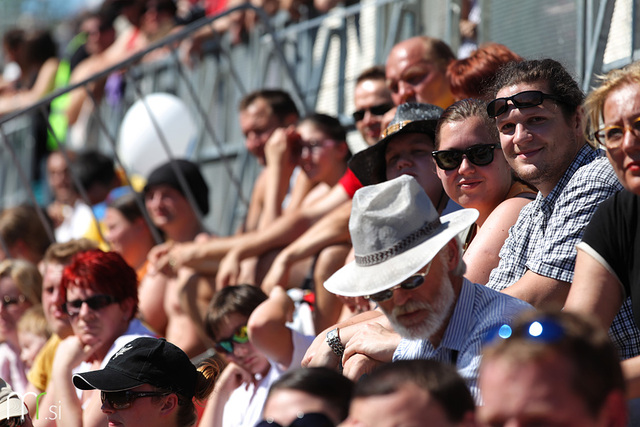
point(139, 145)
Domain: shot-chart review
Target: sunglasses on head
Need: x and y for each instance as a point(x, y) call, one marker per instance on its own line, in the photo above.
point(479, 155)
point(526, 99)
point(95, 303)
point(544, 330)
point(241, 336)
point(376, 110)
point(412, 282)
point(124, 399)
point(313, 419)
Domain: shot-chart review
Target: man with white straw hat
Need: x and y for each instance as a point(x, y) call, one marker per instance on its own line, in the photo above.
point(408, 260)
point(13, 411)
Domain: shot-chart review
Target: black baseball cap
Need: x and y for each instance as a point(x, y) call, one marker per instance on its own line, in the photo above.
point(144, 360)
point(369, 165)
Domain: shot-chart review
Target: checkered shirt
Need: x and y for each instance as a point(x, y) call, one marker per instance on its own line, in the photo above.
point(548, 229)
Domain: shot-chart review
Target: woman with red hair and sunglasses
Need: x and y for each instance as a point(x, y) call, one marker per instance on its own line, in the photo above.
point(100, 296)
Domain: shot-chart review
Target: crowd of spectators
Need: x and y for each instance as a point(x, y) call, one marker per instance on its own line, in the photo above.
point(463, 269)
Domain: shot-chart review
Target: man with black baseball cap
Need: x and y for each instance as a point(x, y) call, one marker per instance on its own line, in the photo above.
point(149, 368)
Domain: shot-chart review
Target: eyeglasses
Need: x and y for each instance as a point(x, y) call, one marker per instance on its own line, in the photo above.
point(95, 303)
point(313, 419)
point(411, 283)
point(612, 136)
point(8, 301)
point(376, 110)
point(526, 99)
point(124, 399)
point(241, 336)
point(479, 155)
point(544, 330)
point(314, 145)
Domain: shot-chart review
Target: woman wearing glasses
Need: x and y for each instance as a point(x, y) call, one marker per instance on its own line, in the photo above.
point(607, 270)
point(235, 314)
point(20, 288)
point(475, 174)
point(101, 299)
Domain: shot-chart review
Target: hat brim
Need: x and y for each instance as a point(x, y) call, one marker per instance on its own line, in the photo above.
point(106, 380)
point(12, 407)
point(354, 280)
point(369, 165)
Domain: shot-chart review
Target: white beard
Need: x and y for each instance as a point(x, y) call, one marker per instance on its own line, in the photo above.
point(438, 312)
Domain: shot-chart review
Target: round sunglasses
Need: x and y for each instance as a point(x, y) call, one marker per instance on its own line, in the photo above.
point(479, 155)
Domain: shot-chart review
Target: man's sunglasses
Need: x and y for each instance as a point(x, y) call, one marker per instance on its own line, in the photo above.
point(95, 303)
point(411, 283)
point(479, 155)
point(313, 419)
point(241, 336)
point(376, 110)
point(526, 99)
point(124, 399)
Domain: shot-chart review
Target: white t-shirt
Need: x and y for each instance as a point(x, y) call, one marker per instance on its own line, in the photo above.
point(244, 407)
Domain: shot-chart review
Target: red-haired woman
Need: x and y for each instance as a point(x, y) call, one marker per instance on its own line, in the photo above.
point(100, 297)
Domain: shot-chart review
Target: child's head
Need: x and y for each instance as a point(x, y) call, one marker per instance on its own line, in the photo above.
point(33, 333)
point(226, 325)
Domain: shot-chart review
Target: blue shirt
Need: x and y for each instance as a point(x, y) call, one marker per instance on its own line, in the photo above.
point(478, 312)
point(548, 229)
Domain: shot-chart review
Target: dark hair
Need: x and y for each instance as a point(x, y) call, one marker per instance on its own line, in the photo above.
point(208, 373)
point(241, 299)
point(103, 272)
point(553, 73)
point(13, 38)
point(39, 46)
point(372, 73)
point(280, 102)
point(93, 167)
point(326, 384)
point(471, 77)
point(441, 381)
point(595, 366)
point(464, 109)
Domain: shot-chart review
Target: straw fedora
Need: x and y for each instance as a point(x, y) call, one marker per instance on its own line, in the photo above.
point(396, 231)
point(369, 165)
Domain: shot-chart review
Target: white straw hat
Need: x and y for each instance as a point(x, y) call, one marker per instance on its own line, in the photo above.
point(395, 230)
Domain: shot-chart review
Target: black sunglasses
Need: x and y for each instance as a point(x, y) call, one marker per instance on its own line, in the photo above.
point(479, 155)
point(95, 303)
point(412, 282)
point(124, 399)
point(313, 419)
point(526, 99)
point(8, 301)
point(376, 110)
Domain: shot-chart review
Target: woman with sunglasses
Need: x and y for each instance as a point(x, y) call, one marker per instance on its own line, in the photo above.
point(475, 174)
point(101, 298)
point(150, 382)
point(607, 270)
point(20, 288)
point(249, 331)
